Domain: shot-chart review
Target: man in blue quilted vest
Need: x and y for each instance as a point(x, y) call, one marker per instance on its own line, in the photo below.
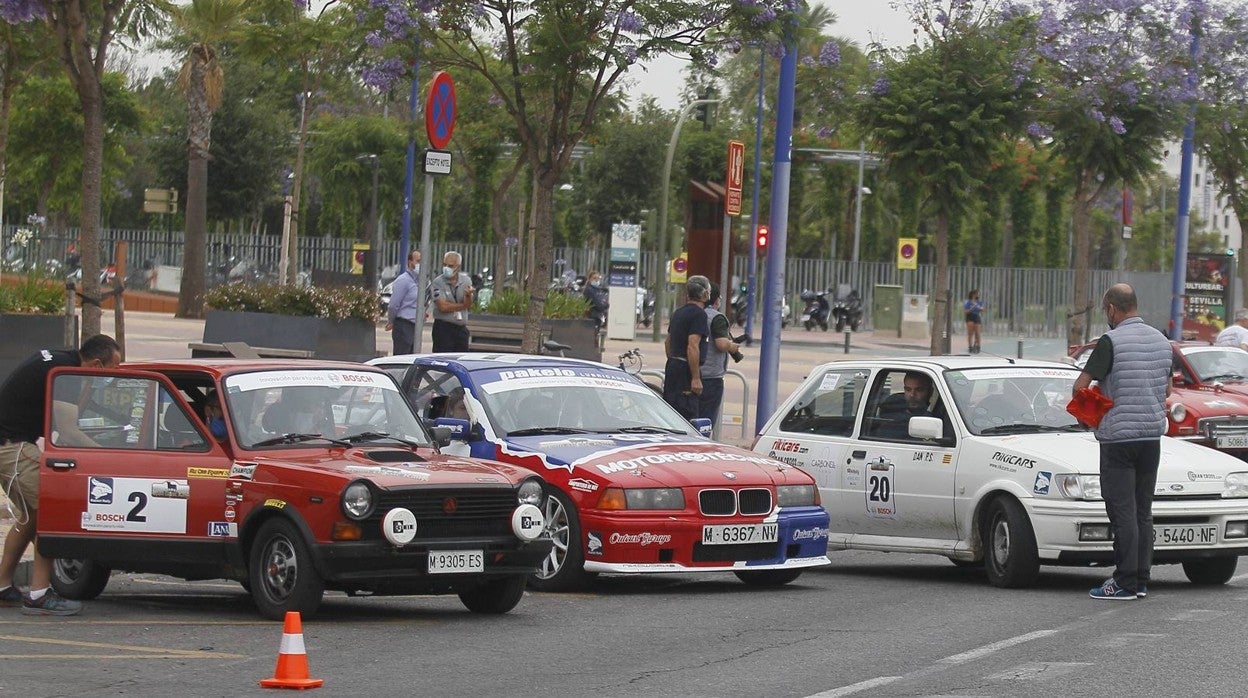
point(1132, 364)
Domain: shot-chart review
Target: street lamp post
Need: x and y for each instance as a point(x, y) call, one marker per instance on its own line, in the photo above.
point(862, 158)
point(372, 272)
point(660, 262)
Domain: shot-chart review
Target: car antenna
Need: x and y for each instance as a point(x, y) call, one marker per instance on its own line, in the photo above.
point(1002, 356)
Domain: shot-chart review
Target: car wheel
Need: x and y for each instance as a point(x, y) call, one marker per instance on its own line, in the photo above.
point(1210, 571)
point(81, 580)
point(768, 578)
point(564, 568)
point(1010, 555)
point(281, 572)
point(496, 597)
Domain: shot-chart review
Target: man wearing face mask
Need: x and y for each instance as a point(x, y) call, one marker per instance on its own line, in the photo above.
point(405, 302)
point(1132, 364)
point(597, 297)
point(452, 295)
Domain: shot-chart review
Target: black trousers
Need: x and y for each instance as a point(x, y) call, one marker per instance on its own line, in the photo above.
point(447, 336)
point(404, 335)
point(711, 399)
point(677, 389)
point(1128, 476)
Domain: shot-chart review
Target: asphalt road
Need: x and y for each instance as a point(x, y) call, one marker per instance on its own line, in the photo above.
point(873, 624)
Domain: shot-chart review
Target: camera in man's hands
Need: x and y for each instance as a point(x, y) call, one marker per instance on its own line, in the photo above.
point(737, 356)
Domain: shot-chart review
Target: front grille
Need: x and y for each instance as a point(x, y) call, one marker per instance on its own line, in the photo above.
point(1213, 427)
point(722, 502)
point(734, 553)
point(477, 513)
point(754, 502)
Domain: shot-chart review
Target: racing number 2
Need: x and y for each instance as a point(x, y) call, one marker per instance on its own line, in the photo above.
point(140, 502)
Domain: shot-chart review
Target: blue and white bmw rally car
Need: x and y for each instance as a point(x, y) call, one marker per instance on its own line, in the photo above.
point(990, 467)
point(634, 487)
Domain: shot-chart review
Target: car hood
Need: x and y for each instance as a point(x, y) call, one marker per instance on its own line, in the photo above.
point(1231, 398)
point(659, 461)
point(392, 467)
point(1185, 468)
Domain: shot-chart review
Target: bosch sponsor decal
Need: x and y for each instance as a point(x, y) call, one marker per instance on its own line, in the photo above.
point(818, 533)
point(1043, 479)
point(243, 470)
point(173, 489)
point(1010, 462)
point(127, 504)
point(222, 529)
point(879, 489)
point(100, 490)
point(388, 470)
point(214, 473)
point(580, 484)
point(332, 379)
point(1196, 477)
point(643, 539)
point(593, 543)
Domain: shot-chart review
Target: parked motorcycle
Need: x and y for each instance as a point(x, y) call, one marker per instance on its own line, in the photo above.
point(847, 308)
point(740, 298)
point(816, 309)
point(645, 306)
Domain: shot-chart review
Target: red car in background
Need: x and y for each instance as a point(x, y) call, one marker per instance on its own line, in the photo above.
point(1209, 400)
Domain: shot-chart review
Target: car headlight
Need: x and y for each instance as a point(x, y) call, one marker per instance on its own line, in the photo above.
point(1235, 485)
point(1178, 412)
point(1079, 486)
point(796, 495)
point(357, 500)
point(650, 498)
point(531, 492)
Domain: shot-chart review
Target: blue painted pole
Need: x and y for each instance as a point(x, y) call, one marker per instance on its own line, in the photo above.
point(751, 273)
point(409, 180)
point(1183, 215)
point(773, 291)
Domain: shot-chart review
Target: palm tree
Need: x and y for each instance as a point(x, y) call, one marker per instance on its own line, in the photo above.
point(202, 27)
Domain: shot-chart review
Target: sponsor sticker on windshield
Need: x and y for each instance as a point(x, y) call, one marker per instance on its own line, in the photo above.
point(980, 374)
point(261, 380)
point(504, 380)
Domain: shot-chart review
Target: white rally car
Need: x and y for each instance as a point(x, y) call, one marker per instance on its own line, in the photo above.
point(999, 473)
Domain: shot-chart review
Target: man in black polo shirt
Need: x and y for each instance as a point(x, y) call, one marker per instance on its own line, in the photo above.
point(687, 334)
point(23, 408)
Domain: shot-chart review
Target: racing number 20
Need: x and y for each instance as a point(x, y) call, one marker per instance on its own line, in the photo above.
point(140, 503)
point(880, 488)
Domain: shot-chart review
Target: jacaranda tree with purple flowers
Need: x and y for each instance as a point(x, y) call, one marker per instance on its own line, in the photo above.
point(85, 30)
point(939, 114)
point(554, 64)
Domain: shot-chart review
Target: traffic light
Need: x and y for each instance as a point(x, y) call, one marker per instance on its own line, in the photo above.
point(762, 239)
point(700, 114)
point(705, 112)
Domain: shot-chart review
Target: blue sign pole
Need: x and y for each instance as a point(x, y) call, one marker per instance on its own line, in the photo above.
point(1178, 281)
point(773, 292)
point(752, 273)
point(409, 179)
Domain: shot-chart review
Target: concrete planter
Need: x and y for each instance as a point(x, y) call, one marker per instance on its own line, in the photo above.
point(23, 335)
point(342, 340)
point(580, 334)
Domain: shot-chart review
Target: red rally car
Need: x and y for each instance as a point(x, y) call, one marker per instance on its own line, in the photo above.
point(289, 477)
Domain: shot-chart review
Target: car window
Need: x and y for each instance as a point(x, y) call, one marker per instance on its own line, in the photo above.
point(131, 413)
point(889, 408)
point(1013, 400)
point(829, 406)
point(429, 392)
point(396, 371)
point(1218, 364)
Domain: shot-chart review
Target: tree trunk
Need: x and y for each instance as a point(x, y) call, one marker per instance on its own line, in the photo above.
point(940, 292)
point(296, 188)
point(92, 174)
point(199, 141)
point(1079, 302)
point(543, 209)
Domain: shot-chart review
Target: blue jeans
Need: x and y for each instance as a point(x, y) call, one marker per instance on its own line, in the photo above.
point(1128, 477)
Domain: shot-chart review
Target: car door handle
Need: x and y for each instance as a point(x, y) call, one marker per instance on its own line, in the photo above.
point(62, 464)
point(858, 454)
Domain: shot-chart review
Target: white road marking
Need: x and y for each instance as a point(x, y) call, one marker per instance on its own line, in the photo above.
point(857, 687)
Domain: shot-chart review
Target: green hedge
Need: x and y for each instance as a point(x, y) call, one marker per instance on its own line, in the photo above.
point(559, 306)
point(338, 303)
point(33, 294)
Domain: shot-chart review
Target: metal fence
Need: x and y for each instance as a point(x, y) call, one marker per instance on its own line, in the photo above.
point(1022, 302)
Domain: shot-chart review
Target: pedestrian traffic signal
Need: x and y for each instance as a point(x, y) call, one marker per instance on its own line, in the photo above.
point(762, 239)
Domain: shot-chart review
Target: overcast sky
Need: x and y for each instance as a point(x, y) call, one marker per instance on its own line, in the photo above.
point(860, 21)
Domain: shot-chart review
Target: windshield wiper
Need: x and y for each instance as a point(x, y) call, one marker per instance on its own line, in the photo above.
point(649, 430)
point(379, 435)
point(537, 431)
point(297, 438)
point(1012, 429)
point(1224, 377)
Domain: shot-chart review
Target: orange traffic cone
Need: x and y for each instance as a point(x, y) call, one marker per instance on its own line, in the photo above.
point(292, 659)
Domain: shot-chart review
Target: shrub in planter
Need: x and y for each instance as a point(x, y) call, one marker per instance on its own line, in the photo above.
point(33, 294)
point(335, 303)
point(559, 306)
point(334, 323)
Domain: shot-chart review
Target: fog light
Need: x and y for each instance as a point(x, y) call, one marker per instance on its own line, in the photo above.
point(1094, 531)
point(1236, 529)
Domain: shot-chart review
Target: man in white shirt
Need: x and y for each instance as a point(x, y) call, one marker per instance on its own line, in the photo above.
point(1236, 334)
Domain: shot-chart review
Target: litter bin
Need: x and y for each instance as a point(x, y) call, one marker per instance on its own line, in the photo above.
point(886, 308)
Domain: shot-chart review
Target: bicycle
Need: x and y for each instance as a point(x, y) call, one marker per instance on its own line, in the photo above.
point(631, 361)
point(550, 347)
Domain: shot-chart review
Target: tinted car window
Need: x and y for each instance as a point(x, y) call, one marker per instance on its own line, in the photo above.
point(829, 406)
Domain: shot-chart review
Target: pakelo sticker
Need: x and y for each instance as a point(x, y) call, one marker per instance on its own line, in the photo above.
point(1042, 482)
point(879, 489)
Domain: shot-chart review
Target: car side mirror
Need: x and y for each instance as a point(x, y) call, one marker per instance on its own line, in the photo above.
point(703, 425)
point(1177, 378)
point(441, 435)
point(927, 428)
point(457, 429)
